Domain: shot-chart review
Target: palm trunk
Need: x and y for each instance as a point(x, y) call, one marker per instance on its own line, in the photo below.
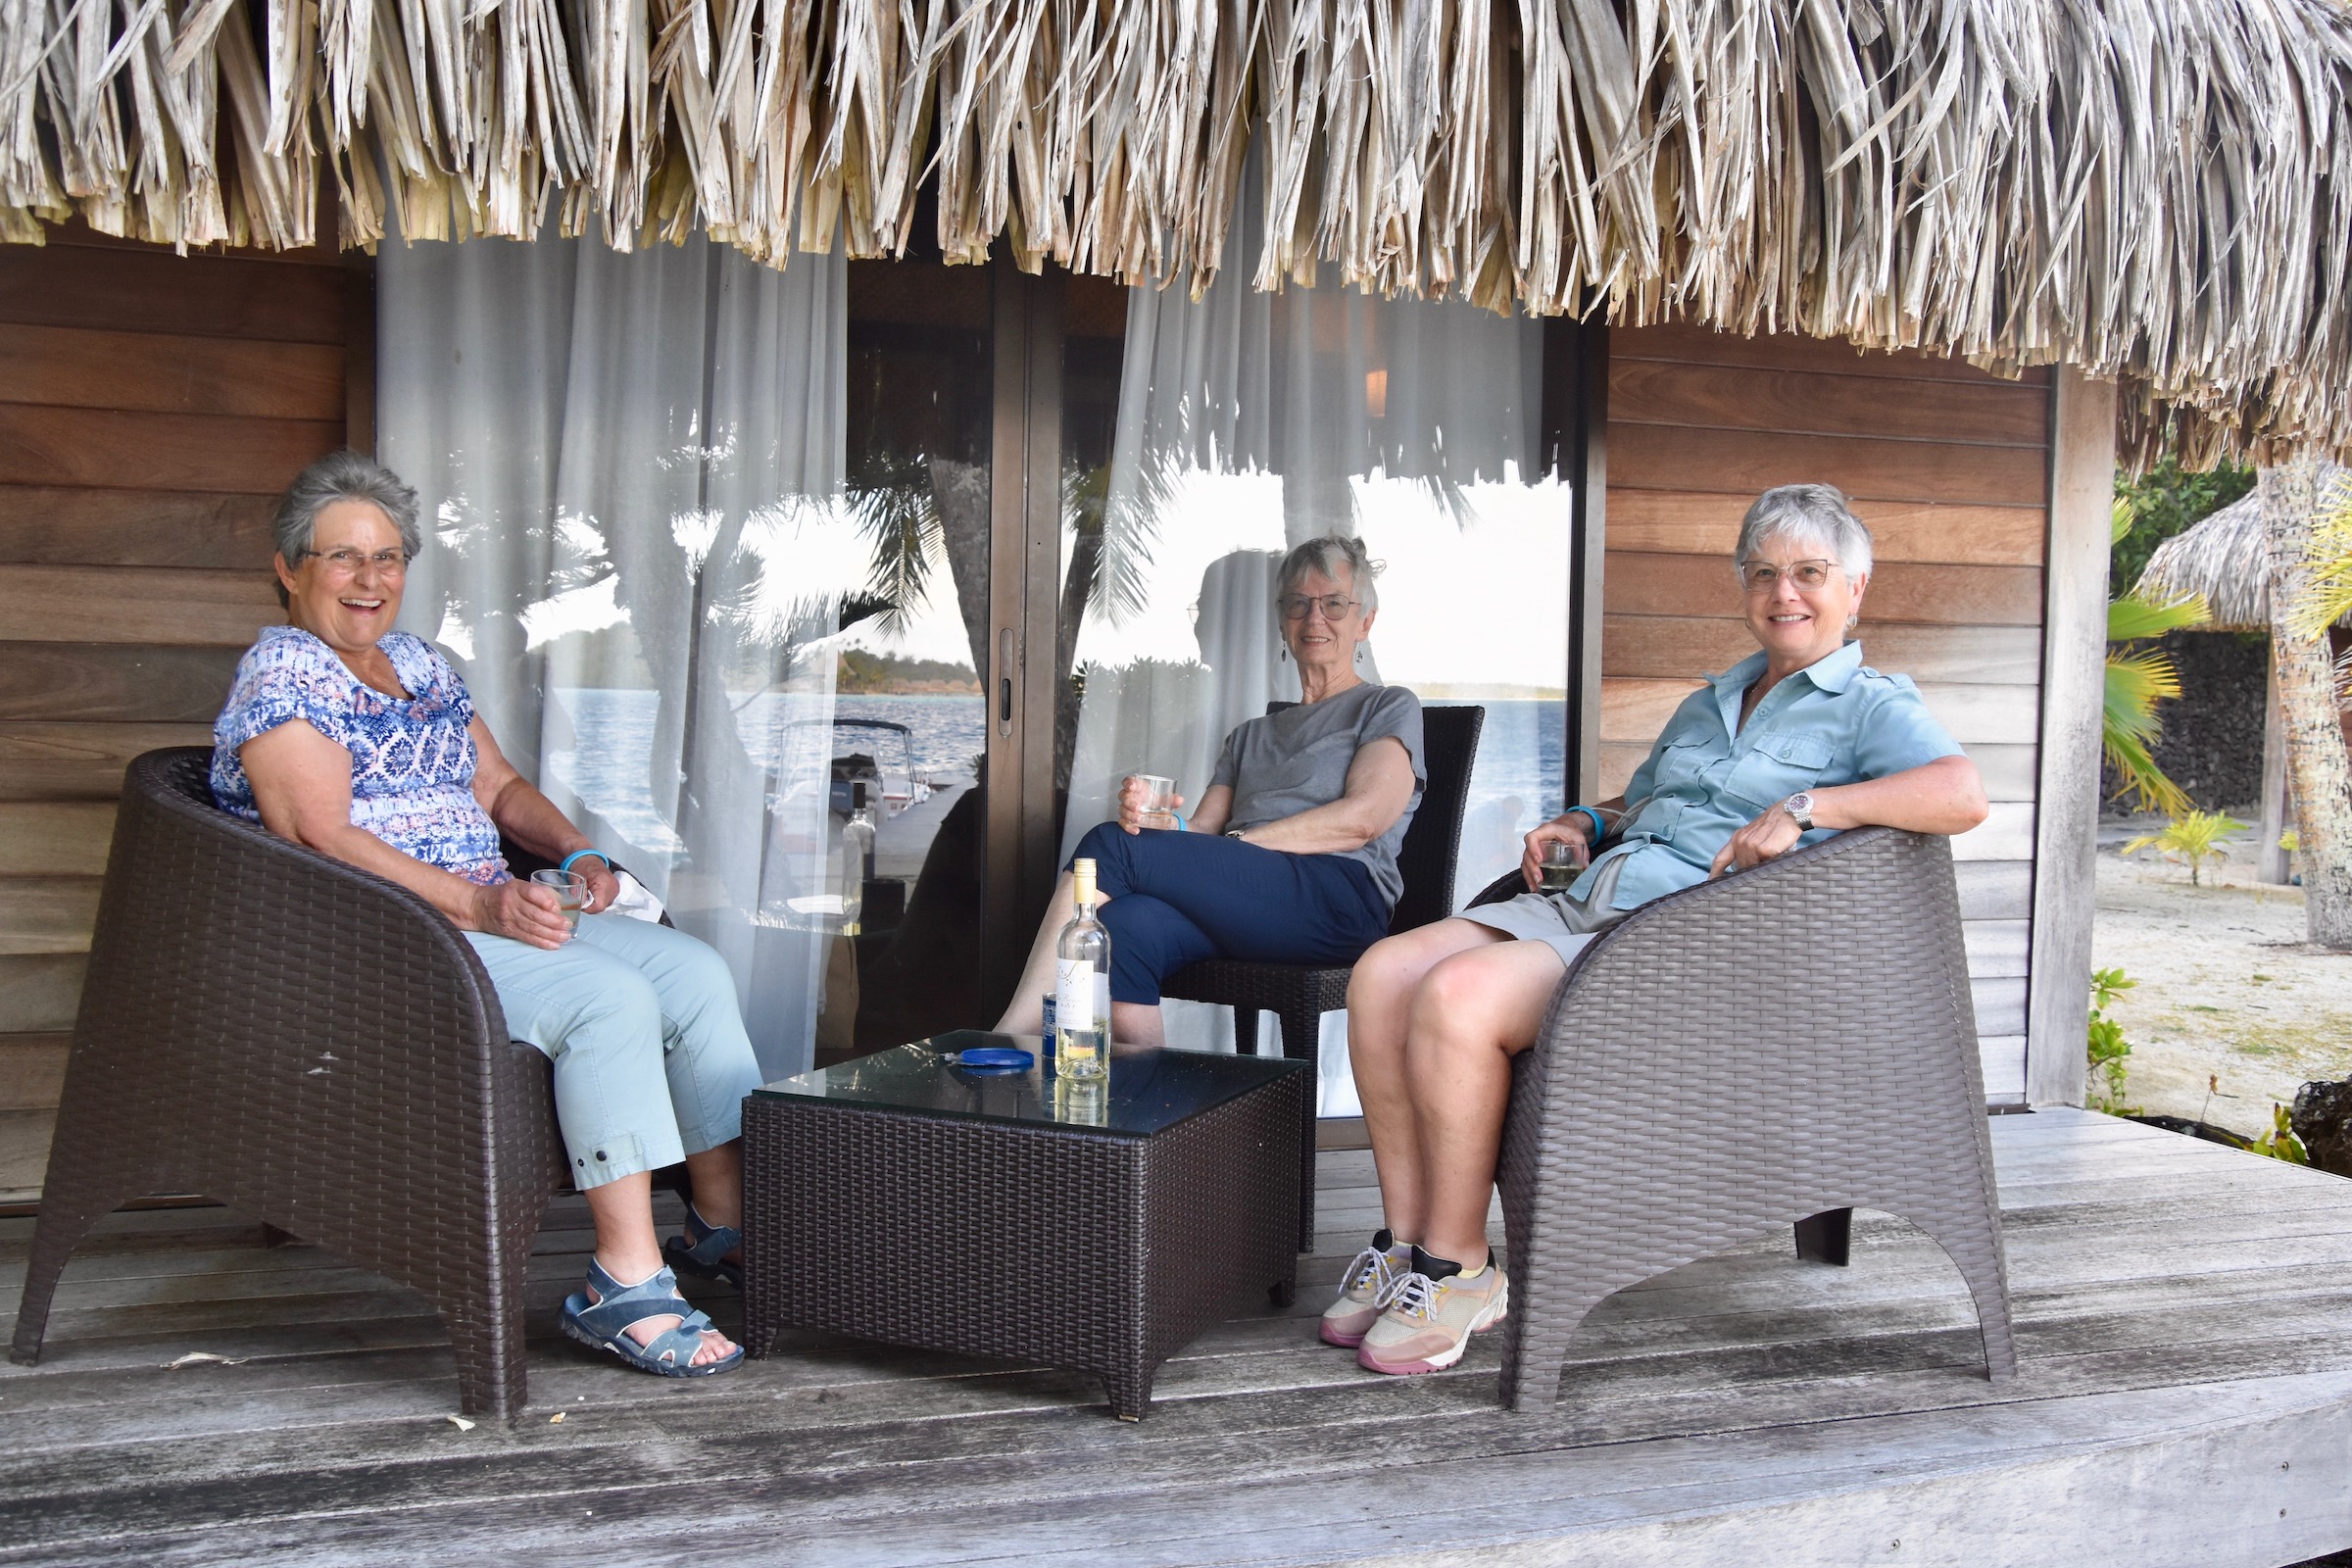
point(2317, 761)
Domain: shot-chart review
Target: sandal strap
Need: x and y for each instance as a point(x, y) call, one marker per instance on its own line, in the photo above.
point(710, 1243)
point(676, 1346)
point(623, 1306)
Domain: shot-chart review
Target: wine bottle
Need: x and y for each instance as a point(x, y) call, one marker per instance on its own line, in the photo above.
point(1082, 985)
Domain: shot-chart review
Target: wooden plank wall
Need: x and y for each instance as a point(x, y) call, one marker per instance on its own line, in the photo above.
point(1950, 469)
point(152, 407)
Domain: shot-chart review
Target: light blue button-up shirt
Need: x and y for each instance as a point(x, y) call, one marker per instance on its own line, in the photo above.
point(1837, 723)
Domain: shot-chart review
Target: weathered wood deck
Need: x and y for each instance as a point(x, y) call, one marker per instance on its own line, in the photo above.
point(2184, 1317)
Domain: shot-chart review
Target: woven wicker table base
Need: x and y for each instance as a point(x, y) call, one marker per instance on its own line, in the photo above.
point(1083, 1247)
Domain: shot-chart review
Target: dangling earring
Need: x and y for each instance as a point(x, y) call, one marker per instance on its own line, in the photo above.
point(1283, 652)
point(1360, 653)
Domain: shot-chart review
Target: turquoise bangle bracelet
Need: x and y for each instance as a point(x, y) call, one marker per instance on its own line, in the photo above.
point(1600, 829)
point(1182, 826)
point(565, 864)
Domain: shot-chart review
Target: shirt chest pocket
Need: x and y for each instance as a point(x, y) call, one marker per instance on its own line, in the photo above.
point(1777, 768)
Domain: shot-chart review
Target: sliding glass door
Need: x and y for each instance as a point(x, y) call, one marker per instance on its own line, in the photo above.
point(1203, 439)
point(836, 601)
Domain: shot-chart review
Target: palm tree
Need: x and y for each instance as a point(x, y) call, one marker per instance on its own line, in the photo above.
point(2137, 678)
point(2307, 515)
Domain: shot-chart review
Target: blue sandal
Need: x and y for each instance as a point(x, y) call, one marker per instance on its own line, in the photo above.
point(604, 1323)
point(703, 1251)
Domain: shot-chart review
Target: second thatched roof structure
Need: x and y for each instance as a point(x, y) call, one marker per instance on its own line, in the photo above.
point(2225, 559)
point(2157, 190)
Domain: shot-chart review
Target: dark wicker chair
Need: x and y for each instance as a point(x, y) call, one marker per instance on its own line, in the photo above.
point(1784, 1046)
point(1299, 995)
point(312, 1046)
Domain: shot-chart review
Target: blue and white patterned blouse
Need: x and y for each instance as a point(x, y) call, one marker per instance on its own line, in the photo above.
point(412, 762)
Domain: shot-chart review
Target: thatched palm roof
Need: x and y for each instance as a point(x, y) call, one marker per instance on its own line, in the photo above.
point(2155, 189)
point(2224, 559)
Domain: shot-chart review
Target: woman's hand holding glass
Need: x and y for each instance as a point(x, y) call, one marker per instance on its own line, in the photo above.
point(1147, 799)
point(602, 886)
point(1572, 831)
point(522, 911)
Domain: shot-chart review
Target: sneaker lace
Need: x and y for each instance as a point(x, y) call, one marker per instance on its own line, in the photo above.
point(1415, 1294)
point(1375, 1268)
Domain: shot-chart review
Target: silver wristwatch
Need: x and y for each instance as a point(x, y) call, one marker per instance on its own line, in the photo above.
point(1800, 807)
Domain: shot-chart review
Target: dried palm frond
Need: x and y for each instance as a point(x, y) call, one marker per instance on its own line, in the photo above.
point(2157, 191)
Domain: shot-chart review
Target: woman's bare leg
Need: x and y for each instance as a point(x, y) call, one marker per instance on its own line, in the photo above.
point(1026, 1015)
point(1137, 1023)
point(626, 1248)
point(717, 1177)
point(1472, 1012)
point(1380, 1005)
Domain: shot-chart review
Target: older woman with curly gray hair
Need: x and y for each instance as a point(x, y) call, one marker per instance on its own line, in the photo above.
point(362, 743)
point(1291, 856)
point(1798, 741)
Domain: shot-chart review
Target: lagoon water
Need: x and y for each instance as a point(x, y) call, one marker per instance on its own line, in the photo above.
point(1517, 782)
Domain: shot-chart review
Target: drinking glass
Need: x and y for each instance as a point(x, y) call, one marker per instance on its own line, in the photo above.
point(1563, 862)
point(570, 889)
point(1160, 800)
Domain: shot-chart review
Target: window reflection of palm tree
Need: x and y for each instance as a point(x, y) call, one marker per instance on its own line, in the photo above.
point(915, 510)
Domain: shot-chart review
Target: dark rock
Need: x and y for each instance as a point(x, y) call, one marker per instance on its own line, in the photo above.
point(2322, 1116)
point(2212, 740)
point(2190, 1127)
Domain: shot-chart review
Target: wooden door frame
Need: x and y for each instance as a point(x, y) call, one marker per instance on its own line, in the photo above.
point(1023, 603)
point(1575, 448)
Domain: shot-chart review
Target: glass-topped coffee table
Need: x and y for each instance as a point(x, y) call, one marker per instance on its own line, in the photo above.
point(1086, 1226)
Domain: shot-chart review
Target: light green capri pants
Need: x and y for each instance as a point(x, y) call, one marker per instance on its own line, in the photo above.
point(651, 1063)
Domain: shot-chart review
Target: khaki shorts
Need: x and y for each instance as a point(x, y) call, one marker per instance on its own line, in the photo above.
point(1560, 922)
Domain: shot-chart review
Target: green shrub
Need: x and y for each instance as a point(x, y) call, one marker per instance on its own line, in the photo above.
point(2280, 1142)
point(2194, 839)
point(2108, 1047)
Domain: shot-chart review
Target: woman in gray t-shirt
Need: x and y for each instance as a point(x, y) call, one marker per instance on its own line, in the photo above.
point(1290, 857)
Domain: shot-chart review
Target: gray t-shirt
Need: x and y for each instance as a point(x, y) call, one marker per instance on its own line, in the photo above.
point(1297, 759)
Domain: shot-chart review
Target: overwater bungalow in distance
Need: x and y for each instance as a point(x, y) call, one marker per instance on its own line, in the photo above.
point(918, 395)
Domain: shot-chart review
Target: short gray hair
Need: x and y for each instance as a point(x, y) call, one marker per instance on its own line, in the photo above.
point(1813, 513)
point(1327, 554)
point(344, 475)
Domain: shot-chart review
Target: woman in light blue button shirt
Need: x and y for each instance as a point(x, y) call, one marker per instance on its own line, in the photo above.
point(1796, 741)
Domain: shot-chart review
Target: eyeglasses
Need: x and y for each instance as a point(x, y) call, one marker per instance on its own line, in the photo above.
point(1762, 576)
point(347, 563)
point(1334, 605)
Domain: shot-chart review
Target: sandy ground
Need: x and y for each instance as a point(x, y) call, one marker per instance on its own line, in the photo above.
point(2228, 989)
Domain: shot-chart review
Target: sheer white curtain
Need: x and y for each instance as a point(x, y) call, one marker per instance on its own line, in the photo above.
point(1248, 423)
point(629, 468)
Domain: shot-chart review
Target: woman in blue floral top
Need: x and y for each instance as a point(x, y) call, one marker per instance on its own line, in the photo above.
point(362, 743)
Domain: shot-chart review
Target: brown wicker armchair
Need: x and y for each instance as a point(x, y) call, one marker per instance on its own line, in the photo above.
point(1784, 1046)
point(312, 1046)
point(1299, 995)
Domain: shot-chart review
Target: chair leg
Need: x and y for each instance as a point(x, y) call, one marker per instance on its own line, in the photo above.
point(1826, 1237)
point(492, 1379)
point(70, 1210)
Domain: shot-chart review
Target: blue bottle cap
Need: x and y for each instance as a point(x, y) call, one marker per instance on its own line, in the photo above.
point(1002, 1057)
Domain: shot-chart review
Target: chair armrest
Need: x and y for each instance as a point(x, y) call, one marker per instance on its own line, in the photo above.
point(210, 926)
point(1855, 937)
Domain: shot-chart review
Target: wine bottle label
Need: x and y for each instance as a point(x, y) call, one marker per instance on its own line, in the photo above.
point(1081, 997)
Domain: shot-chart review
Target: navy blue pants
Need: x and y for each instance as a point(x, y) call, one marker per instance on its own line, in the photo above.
point(1178, 898)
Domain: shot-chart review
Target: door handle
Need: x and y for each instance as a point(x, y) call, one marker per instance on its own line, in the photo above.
point(1005, 681)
